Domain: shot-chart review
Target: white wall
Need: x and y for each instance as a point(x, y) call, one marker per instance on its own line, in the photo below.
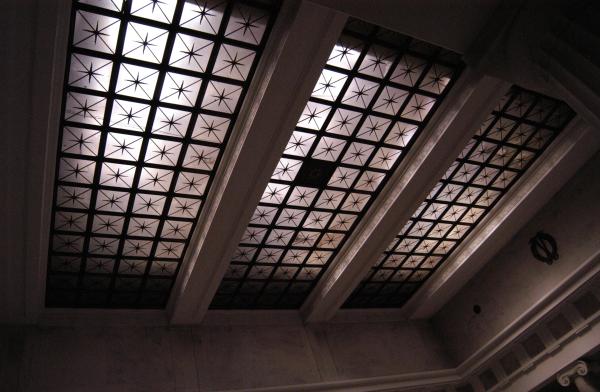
point(213, 357)
point(513, 280)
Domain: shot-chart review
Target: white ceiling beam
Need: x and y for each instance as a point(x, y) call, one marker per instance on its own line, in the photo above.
point(463, 111)
point(536, 51)
point(572, 148)
point(298, 47)
point(37, 31)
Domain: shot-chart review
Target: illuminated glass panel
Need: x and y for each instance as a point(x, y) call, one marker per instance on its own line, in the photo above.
point(374, 96)
point(514, 135)
point(152, 91)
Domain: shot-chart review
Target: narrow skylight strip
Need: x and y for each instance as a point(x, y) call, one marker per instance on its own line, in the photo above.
point(515, 134)
point(152, 91)
point(371, 101)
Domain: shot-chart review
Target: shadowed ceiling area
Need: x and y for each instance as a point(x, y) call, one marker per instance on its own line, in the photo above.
point(299, 195)
point(152, 93)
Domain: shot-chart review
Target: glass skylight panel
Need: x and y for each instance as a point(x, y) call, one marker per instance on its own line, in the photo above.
point(152, 91)
point(515, 134)
point(371, 101)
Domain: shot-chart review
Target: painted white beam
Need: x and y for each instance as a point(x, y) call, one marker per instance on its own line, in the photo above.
point(463, 111)
point(32, 76)
point(572, 148)
point(535, 51)
point(46, 101)
point(298, 47)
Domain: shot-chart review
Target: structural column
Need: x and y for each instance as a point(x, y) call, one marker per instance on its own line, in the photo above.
point(576, 374)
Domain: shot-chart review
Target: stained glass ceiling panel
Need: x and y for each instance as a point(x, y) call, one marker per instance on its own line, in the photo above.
point(373, 98)
point(152, 91)
point(513, 136)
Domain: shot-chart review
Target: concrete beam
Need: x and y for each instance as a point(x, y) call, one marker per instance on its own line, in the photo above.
point(32, 76)
point(46, 99)
point(299, 45)
point(573, 147)
point(465, 108)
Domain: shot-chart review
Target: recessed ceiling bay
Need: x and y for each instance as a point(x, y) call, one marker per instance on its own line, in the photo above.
point(152, 90)
point(372, 100)
point(519, 129)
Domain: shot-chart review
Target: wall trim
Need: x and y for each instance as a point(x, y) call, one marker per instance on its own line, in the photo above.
point(587, 271)
point(586, 279)
point(379, 384)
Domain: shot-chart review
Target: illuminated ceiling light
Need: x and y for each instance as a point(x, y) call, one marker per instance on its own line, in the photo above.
point(152, 91)
point(513, 136)
point(374, 96)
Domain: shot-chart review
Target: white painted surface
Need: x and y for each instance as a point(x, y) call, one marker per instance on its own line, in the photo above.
point(513, 281)
point(301, 41)
point(211, 358)
point(465, 108)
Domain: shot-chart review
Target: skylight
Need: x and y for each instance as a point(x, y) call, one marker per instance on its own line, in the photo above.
point(514, 135)
point(152, 91)
point(371, 101)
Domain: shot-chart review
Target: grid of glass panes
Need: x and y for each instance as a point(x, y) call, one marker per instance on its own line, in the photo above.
point(373, 97)
point(519, 129)
point(152, 90)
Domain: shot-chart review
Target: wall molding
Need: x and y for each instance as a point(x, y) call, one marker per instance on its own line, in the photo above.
point(386, 383)
point(587, 272)
point(583, 281)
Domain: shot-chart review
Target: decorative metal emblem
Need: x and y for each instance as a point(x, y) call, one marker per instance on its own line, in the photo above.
point(544, 248)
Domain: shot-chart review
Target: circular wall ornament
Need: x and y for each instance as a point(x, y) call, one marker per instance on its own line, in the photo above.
point(544, 248)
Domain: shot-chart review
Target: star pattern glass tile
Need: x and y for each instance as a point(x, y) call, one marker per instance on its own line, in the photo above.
point(152, 91)
point(373, 98)
point(514, 135)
